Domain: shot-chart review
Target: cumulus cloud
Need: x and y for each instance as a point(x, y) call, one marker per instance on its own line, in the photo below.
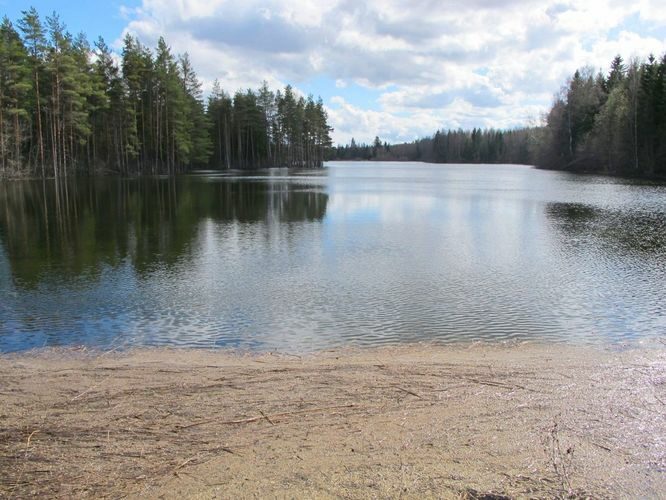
point(433, 64)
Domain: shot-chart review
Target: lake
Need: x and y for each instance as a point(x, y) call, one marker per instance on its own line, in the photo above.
point(349, 255)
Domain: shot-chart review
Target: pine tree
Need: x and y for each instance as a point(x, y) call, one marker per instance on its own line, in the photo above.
point(266, 103)
point(617, 73)
point(15, 86)
point(136, 66)
point(198, 125)
point(660, 117)
point(65, 111)
point(219, 116)
point(35, 40)
point(109, 102)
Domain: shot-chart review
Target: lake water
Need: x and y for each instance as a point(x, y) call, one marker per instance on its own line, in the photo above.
point(353, 254)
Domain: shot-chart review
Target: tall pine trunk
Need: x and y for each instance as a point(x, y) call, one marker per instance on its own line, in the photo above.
point(227, 142)
point(3, 153)
point(40, 135)
point(17, 140)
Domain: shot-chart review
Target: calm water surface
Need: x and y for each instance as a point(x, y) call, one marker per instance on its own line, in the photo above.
point(353, 254)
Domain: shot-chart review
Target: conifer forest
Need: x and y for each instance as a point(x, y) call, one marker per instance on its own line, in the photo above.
point(67, 107)
point(612, 123)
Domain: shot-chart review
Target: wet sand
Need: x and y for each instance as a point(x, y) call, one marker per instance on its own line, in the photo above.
point(518, 420)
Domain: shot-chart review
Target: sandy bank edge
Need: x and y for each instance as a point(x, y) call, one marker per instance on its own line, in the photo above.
point(421, 420)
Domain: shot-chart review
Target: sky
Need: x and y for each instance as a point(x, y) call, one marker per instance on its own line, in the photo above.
point(397, 69)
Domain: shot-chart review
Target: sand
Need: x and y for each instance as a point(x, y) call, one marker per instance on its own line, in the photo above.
point(473, 421)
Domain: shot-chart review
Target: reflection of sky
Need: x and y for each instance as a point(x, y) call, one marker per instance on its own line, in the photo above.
point(404, 252)
point(444, 211)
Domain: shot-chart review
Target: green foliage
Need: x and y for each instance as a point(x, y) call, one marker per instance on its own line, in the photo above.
point(452, 146)
point(614, 124)
point(67, 107)
point(14, 90)
point(262, 128)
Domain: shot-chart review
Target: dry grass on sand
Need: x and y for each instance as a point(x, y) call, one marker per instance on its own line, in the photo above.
point(420, 421)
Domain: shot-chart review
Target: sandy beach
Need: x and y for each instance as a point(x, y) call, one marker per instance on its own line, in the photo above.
point(473, 421)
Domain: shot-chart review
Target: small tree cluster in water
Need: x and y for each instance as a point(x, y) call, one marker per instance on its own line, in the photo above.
point(614, 123)
point(67, 107)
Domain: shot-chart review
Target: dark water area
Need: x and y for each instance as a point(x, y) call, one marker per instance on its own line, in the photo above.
point(353, 254)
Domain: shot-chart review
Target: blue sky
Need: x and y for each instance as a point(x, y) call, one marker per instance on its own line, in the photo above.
point(399, 69)
point(94, 18)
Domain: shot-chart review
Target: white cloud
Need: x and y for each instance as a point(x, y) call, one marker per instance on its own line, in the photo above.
point(652, 10)
point(434, 64)
point(362, 124)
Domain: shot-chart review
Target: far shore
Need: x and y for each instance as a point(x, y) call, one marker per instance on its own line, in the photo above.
point(472, 421)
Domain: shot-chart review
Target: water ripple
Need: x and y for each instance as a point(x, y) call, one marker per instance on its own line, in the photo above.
point(361, 255)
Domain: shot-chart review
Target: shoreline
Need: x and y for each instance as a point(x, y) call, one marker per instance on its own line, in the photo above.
point(656, 179)
point(458, 421)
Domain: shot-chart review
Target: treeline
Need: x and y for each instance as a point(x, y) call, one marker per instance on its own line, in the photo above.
point(68, 107)
point(452, 146)
point(265, 128)
point(614, 123)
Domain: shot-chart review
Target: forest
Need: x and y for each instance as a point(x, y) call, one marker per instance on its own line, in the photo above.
point(67, 108)
point(614, 123)
point(449, 146)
